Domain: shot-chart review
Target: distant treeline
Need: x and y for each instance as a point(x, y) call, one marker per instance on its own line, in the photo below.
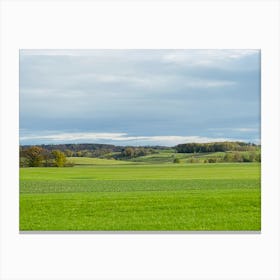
point(215, 147)
point(55, 155)
point(58, 155)
point(79, 150)
point(99, 150)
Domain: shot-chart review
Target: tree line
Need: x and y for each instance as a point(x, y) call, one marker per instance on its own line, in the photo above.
point(216, 147)
point(79, 150)
point(35, 156)
point(91, 150)
point(56, 155)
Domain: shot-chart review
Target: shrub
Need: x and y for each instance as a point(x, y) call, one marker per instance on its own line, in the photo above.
point(228, 157)
point(176, 160)
point(252, 157)
point(245, 158)
point(193, 160)
point(237, 157)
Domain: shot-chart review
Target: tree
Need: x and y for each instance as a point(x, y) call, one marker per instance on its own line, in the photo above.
point(128, 152)
point(214, 147)
point(258, 157)
point(79, 154)
point(46, 157)
point(252, 156)
point(68, 153)
point(228, 157)
point(59, 158)
point(246, 157)
point(237, 157)
point(33, 156)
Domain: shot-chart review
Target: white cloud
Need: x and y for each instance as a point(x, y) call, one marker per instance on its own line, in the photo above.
point(121, 138)
point(239, 129)
point(245, 129)
point(156, 82)
point(74, 136)
point(213, 57)
point(166, 81)
point(209, 83)
point(131, 79)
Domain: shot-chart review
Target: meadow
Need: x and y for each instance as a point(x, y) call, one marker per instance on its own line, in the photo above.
point(112, 195)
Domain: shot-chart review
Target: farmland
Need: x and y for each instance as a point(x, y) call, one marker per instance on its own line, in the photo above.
point(100, 194)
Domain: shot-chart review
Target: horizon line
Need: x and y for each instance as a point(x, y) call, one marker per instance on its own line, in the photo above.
point(122, 145)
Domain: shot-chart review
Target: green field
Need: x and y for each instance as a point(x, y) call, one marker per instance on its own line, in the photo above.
point(168, 156)
point(95, 161)
point(126, 196)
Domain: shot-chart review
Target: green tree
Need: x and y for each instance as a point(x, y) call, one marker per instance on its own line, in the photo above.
point(237, 157)
point(228, 157)
point(246, 157)
point(258, 157)
point(252, 156)
point(59, 158)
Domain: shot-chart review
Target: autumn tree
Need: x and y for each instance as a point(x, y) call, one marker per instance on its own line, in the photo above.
point(128, 152)
point(59, 158)
point(33, 156)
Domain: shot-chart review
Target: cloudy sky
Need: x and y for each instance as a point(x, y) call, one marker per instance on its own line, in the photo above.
point(139, 97)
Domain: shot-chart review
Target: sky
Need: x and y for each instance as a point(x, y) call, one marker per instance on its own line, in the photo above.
point(139, 97)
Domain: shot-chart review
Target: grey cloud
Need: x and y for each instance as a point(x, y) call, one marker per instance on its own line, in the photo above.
point(139, 92)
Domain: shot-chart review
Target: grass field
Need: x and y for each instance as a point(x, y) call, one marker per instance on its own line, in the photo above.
point(95, 161)
point(168, 156)
point(141, 197)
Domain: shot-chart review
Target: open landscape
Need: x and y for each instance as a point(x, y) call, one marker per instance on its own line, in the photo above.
point(108, 194)
point(140, 140)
